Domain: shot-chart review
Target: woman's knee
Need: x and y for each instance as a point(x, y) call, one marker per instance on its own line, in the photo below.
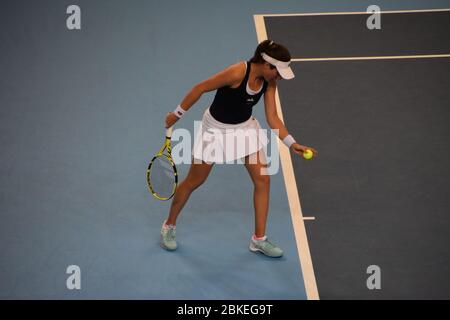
point(197, 175)
point(262, 181)
point(194, 184)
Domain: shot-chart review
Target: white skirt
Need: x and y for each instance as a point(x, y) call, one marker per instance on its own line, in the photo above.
point(218, 142)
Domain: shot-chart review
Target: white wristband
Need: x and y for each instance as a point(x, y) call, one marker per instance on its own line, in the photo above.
point(289, 141)
point(179, 111)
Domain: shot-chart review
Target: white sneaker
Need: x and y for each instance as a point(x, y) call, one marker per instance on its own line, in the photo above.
point(168, 234)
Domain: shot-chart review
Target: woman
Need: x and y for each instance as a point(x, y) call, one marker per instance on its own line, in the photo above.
point(239, 87)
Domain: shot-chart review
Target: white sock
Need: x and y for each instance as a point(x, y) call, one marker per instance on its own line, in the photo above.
point(255, 238)
point(168, 226)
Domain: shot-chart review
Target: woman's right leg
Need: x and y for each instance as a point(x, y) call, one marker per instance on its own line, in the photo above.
point(198, 172)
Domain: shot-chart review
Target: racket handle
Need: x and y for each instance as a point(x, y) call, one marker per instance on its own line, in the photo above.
point(169, 132)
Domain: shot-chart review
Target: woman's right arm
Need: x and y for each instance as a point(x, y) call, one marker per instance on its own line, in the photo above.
point(227, 77)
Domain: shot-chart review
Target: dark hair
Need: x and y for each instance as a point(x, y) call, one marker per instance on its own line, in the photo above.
point(275, 50)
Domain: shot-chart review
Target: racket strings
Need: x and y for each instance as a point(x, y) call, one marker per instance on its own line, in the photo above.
point(162, 177)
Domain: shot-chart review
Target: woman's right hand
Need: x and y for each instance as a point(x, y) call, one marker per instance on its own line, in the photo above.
point(171, 118)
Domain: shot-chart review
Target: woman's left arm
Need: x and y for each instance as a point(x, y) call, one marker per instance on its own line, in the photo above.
point(275, 122)
point(271, 111)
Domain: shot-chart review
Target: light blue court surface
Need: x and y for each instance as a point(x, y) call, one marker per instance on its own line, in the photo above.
point(81, 114)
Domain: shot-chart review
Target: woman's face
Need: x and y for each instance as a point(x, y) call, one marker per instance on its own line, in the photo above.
point(271, 72)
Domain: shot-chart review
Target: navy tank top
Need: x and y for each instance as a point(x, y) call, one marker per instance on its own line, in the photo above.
point(235, 106)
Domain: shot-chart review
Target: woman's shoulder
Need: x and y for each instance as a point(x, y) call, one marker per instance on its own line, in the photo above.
point(237, 72)
point(239, 68)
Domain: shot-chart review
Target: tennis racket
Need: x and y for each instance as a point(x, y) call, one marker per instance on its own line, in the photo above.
point(162, 177)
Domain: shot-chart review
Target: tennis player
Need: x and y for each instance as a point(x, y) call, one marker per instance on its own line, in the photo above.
point(239, 87)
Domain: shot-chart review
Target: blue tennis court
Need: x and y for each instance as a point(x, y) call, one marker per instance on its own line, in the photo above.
point(82, 113)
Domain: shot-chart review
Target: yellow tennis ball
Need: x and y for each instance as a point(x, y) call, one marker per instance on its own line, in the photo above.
point(308, 154)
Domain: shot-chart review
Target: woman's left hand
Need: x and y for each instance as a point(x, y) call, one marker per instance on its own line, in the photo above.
point(299, 149)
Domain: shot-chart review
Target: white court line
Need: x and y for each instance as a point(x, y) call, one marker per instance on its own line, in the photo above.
point(347, 13)
point(447, 55)
point(309, 218)
point(292, 193)
point(419, 56)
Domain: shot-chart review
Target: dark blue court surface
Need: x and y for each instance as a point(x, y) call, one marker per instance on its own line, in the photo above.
point(379, 190)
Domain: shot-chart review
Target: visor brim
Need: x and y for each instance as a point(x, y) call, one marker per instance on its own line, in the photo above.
point(286, 73)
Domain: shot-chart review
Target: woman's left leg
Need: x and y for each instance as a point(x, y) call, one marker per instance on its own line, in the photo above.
point(257, 168)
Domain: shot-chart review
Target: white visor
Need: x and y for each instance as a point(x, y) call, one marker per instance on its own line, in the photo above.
point(283, 67)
